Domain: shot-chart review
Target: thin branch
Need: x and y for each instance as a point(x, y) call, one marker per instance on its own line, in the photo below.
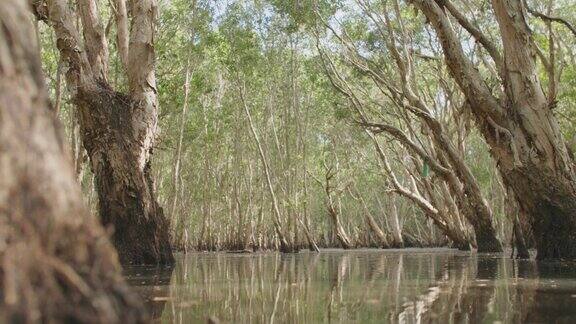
point(549, 18)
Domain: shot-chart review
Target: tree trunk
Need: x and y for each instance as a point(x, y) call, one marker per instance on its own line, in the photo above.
point(471, 201)
point(56, 262)
point(371, 222)
point(519, 242)
point(176, 233)
point(395, 224)
point(520, 127)
point(332, 206)
point(337, 225)
point(123, 177)
point(544, 180)
point(462, 182)
point(118, 130)
point(431, 212)
point(284, 245)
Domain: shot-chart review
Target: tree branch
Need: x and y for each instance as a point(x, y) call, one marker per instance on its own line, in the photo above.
point(475, 32)
point(550, 18)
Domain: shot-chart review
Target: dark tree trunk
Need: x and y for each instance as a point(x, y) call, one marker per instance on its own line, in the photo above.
point(123, 181)
point(550, 203)
point(56, 263)
point(486, 240)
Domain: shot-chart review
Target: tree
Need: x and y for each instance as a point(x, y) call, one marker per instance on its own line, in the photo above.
point(398, 90)
point(518, 123)
point(56, 261)
point(118, 130)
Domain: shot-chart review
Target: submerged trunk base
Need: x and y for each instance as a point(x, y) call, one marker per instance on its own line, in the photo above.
point(487, 242)
point(554, 234)
point(115, 139)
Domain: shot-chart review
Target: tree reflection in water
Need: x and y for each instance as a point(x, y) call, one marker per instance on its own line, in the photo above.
point(153, 284)
point(408, 286)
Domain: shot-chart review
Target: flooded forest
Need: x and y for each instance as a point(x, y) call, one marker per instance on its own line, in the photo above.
point(288, 161)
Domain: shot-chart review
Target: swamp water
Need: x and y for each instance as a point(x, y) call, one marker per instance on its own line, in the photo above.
point(358, 286)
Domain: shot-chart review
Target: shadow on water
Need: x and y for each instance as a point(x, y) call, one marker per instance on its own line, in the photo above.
point(362, 286)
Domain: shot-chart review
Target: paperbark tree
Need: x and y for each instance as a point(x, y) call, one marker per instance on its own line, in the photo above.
point(117, 129)
point(451, 167)
point(519, 125)
point(56, 262)
point(370, 221)
point(333, 190)
point(285, 246)
point(177, 239)
point(402, 93)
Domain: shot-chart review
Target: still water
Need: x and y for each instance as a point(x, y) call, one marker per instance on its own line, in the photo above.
point(360, 286)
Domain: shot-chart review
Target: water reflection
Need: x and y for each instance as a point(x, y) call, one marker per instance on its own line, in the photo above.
point(410, 286)
point(152, 283)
